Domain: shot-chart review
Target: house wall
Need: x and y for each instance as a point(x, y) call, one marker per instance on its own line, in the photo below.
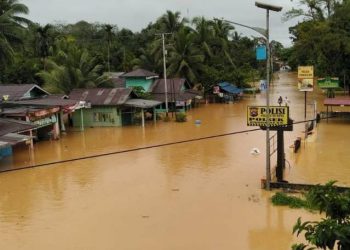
point(137, 81)
point(108, 116)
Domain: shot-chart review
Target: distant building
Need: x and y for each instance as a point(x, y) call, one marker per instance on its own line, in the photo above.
point(140, 78)
point(179, 95)
point(15, 92)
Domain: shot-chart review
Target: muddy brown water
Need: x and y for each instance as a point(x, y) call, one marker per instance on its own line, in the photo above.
point(198, 195)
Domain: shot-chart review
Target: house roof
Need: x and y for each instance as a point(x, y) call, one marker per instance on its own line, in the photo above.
point(48, 101)
point(338, 101)
point(175, 90)
point(14, 126)
point(174, 85)
point(18, 91)
point(141, 103)
point(184, 96)
point(116, 78)
point(140, 73)
point(230, 88)
point(102, 96)
point(13, 139)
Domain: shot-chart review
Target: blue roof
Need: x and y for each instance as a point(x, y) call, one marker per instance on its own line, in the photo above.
point(230, 88)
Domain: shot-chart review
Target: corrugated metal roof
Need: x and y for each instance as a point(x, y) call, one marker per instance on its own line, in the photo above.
point(338, 101)
point(102, 96)
point(184, 96)
point(174, 85)
point(49, 101)
point(14, 126)
point(18, 91)
point(140, 73)
point(230, 88)
point(141, 103)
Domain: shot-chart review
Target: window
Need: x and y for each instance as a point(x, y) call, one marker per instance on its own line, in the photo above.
point(103, 117)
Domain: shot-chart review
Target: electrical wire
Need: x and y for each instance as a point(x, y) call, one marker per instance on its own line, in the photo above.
point(141, 148)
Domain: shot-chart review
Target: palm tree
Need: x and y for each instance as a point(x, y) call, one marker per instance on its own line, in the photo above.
point(71, 67)
point(43, 42)
point(11, 27)
point(185, 59)
point(222, 32)
point(204, 35)
point(171, 22)
point(109, 35)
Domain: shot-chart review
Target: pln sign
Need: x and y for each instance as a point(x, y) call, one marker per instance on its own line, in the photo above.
point(257, 116)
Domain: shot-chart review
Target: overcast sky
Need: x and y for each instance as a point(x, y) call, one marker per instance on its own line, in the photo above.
point(136, 14)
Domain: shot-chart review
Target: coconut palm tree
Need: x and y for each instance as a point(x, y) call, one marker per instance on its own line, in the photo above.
point(185, 59)
point(109, 35)
point(12, 24)
point(71, 67)
point(204, 31)
point(171, 22)
point(43, 42)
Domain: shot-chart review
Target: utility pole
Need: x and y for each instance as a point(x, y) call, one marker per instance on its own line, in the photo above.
point(164, 71)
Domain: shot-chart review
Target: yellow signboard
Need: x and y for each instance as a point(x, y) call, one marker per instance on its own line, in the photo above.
point(306, 84)
point(257, 115)
point(305, 72)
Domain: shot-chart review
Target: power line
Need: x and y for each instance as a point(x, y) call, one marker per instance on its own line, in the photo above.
point(145, 148)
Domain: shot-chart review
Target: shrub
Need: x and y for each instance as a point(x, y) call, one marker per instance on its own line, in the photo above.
point(181, 117)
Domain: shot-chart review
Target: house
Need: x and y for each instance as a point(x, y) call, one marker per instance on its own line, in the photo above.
point(15, 92)
point(31, 103)
point(109, 107)
point(229, 92)
point(178, 94)
point(116, 78)
point(11, 134)
point(140, 78)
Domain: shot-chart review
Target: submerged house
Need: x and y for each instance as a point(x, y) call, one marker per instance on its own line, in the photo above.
point(15, 92)
point(178, 94)
point(140, 78)
point(109, 107)
point(229, 92)
point(30, 103)
point(13, 132)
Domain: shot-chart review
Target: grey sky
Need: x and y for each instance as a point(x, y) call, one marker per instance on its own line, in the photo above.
point(136, 14)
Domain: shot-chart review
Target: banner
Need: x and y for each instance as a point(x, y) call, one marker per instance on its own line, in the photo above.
point(306, 84)
point(328, 83)
point(257, 116)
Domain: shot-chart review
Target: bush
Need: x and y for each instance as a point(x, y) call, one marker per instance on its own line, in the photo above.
point(181, 117)
point(166, 118)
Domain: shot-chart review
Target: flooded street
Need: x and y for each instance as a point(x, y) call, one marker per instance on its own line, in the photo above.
point(197, 195)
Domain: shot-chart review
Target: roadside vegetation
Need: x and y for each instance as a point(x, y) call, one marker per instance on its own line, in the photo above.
point(333, 231)
point(321, 38)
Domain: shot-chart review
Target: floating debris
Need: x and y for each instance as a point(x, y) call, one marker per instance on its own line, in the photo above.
point(255, 151)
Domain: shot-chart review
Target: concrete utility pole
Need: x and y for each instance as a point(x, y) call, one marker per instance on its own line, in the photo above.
point(268, 7)
point(164, 71)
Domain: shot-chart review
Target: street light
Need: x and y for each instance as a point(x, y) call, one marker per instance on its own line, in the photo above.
point(268, 8)
point(265, 33)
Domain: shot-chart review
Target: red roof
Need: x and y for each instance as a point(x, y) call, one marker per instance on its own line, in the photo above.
point(339, 101)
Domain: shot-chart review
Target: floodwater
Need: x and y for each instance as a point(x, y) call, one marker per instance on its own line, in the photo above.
point(197, 195)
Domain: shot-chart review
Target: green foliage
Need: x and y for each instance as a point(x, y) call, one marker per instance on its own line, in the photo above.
point(71, 67)
point(204, 52)
point(332, 231)
point(141, 93)
point(282, 199)
point(181, 117)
